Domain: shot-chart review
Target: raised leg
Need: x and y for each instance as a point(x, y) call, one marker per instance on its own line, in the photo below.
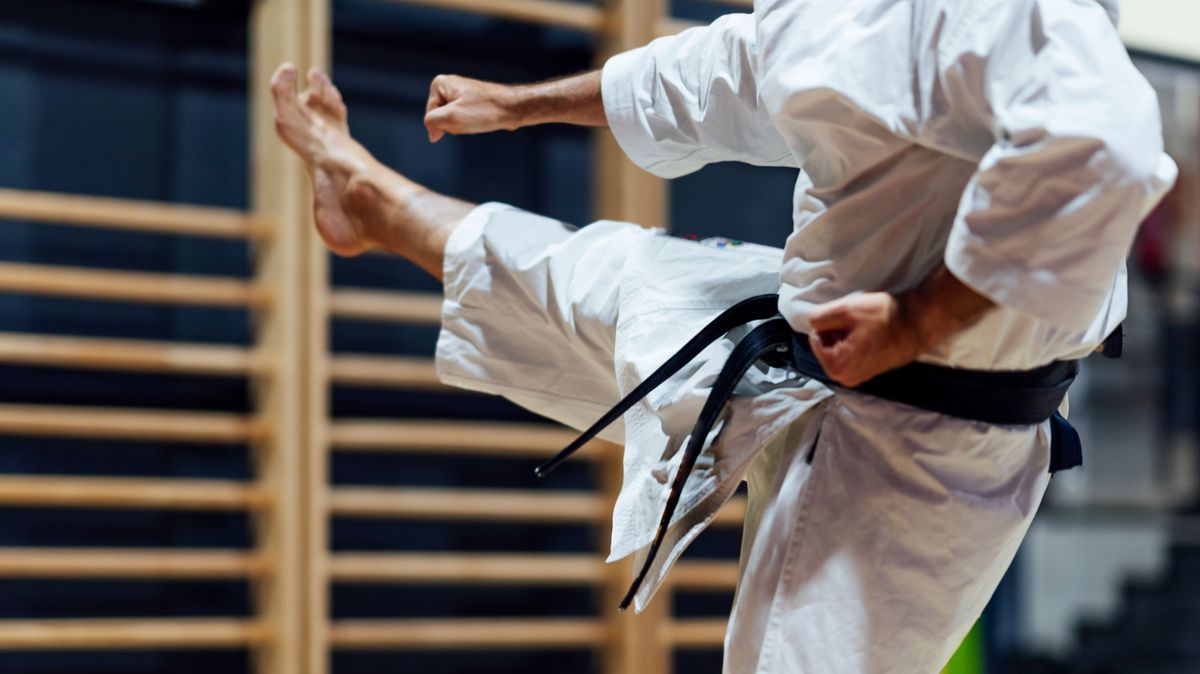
point(358, 203)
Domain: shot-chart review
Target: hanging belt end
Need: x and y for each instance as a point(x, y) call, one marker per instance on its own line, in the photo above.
point(553, 462)
point(628, 600)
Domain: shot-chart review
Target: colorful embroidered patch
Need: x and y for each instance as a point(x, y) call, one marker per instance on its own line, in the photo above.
point(721, 242)
point(712, 242)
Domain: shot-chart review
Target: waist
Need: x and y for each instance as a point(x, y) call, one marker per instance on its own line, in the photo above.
point(1003, 340)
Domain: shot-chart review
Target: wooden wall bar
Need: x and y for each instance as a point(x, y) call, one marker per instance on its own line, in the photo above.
point(290, 430)
point(122, 214)
point(288, 337)
point(625, 644)
point(157, 425)
point(558, 13)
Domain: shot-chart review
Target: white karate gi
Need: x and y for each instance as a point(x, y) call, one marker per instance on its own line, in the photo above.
point(1010, 139)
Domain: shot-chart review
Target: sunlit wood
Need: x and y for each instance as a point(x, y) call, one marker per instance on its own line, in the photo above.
point(128, 563)
point(85, 492)
point(457, 634)
point(732, 514)
point(538, 441)
point(122, 354)
point(297, 31)
point(704, 575)
point(159, 633)
point(560, 13)
point(390, 372)
point(127, 286)
point(126, 214)
point(127, 424)
point(470, 505)
point(378, 305)
point(695, 633)
point(674, 26)
point(501, 569)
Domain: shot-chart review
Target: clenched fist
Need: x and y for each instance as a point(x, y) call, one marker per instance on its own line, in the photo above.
point(863, 335)
point(460, 105)
point(866, 334)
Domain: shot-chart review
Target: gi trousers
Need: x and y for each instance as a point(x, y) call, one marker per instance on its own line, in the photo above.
point(875, 533)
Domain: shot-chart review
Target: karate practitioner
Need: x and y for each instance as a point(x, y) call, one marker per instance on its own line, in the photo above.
point(973, 173)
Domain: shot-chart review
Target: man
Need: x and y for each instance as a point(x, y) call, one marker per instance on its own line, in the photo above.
point(973, 174)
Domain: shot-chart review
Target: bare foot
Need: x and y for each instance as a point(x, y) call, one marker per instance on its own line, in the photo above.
point(314, 124)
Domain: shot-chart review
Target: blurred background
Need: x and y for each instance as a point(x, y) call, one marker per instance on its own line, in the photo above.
point(223, 451)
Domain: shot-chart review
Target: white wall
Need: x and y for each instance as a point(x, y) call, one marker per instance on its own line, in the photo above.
point(1170, 27)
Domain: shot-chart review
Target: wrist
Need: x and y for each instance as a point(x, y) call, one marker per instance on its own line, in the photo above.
point(517, 104)
point(940, 307)
point(573, 100)
point(921, 333)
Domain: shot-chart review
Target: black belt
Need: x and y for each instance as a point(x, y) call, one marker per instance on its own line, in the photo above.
point(996, 397)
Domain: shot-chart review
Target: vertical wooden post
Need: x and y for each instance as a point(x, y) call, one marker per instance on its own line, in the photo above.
point(635, 642)
point(625, 192)
point(283, 30)
point(315, 482)
point(622, 190)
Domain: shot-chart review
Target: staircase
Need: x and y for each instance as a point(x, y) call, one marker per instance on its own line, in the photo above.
point(1156, 631)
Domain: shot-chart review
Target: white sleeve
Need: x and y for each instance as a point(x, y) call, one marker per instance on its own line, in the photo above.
point(1047, 221)
point(691, 99)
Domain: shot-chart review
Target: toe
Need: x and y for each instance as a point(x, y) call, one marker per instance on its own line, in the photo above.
point(325, 97)
point(314, 80)
point(291, 122)
point(329, 91)
point(283, 89)
point(283, 82)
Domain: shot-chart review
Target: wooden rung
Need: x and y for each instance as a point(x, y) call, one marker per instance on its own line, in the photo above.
point(144, 216)
point(396, 307)
point(129, 563)
point(460, 437)
point(128, 286)
point(470, 505)
point(516, 569)
point(505, 569)
point(704, 575)
point(733, 514)
point(81, 492)
point(127, 424)
point(131, 634)
point(122, 354)
point(697, 633)
point(497, 633)
point(396, 372)
point(558, 13)
point(672, 26)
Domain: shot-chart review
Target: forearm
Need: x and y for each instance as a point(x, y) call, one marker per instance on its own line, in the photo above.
point(570, 100)
point(460, 105)
point(939, 307)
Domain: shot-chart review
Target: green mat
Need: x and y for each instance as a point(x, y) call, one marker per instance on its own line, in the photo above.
point(969, 658)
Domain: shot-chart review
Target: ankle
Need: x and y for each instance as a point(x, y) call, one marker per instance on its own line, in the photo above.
point(379, 207)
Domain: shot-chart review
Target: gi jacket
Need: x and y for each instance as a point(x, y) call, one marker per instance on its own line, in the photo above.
point(1011, 140)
